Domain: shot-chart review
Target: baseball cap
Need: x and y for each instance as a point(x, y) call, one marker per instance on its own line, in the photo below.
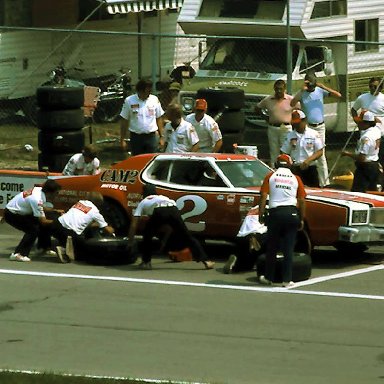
point(368, 116)
point(201, 105)
point(297, 116)
point(284, 159)
point(175, 86)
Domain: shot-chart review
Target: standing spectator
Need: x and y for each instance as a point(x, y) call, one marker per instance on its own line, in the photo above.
point(170, 95)
point(366, 155)
point(210, 137)
point(305, 146)
point(183, 72)
point(84, 163)
point(162, 211)
point(142, 116)
point(279, 109)
point(73, 223)
point(311, 97)
point(372, 101)
point(180, 136)
point(26, 212)
point(285, 217)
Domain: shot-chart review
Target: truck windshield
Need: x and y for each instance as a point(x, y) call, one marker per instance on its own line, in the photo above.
point(249, 55)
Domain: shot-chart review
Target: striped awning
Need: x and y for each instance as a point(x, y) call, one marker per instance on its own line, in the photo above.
point(127, 6)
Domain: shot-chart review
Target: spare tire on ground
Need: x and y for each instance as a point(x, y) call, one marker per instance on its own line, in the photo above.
point(301, 267)
point(106, 251)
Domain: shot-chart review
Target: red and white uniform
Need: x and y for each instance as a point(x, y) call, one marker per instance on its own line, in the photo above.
point(283, 188)
point(30, 202)
point(147, 205)
point(208, 131)
point(80, 215)
point(181, 139)
point(368, 144)
point(77, 166)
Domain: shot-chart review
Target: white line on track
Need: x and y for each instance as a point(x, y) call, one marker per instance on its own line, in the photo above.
point(223, 286)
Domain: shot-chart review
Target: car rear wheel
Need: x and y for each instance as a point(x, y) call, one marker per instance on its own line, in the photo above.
point(115, 216)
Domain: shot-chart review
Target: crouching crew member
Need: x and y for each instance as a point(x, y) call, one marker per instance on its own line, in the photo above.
point(162, 211)
point(285, 216)
point(366, 155)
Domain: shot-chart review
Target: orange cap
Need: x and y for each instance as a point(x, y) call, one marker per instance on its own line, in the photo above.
point(297, 116)
point(284, 159)
point(201, 105)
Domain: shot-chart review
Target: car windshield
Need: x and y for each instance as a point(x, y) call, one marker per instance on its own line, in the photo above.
point(246, 173)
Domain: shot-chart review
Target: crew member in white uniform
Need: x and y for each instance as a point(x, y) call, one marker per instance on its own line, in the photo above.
point(366, 155)
point(180, 136)
point(26, 212)
point(305, 146)
point(72, 224)
point(142, 116)
point(285, 216)
point(162, 211)
point(210, 137)
point(84, 163)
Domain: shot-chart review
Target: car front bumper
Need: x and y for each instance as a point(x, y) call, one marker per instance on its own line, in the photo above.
point(361, 234)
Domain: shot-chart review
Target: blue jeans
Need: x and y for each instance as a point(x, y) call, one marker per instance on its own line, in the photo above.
point(282, 223)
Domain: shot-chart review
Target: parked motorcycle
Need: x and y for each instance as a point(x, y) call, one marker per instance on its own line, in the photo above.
point(111, 100)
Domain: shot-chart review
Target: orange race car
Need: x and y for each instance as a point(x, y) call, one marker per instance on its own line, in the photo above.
point(214, 193)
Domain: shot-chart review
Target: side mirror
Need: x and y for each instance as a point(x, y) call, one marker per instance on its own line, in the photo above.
point(328, 55)
point(328, 69)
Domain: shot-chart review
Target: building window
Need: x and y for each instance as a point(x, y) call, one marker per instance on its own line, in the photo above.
point(330, 8)
point(368, 31)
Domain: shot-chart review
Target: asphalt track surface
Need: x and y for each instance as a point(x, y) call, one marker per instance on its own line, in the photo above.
point(182, 323)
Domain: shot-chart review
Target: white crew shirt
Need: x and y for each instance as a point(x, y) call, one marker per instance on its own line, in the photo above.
point(77, 166)
point(181, 139)
point(80, 215)
point(29, 202)
point(300, 146)
point(283, 188)
point(368, 144)
point(251, 223)
point(142, 114)
point(148, 204)
point(208, 131)
point(372, 103)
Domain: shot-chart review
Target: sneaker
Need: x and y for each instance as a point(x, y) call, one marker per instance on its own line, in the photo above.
point(146, 266)
point(46, 252)
point(263, 280)
point(289, 284)
point(208, 264)
point(69, 250)
point(18, 257)
point(228, 266)
point(62, 256)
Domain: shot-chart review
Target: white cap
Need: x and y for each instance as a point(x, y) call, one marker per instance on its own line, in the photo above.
point(368, 116)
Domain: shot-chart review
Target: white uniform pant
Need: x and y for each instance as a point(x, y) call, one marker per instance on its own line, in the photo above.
point(276, 138)
point(322, 166)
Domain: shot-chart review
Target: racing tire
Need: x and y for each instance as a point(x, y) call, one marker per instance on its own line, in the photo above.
point(60, 120)
point(115, 216)
point(53, 163)
point(231, 121)
point(301, 267)
point(61, 142)
point(106, 251)
point(218, 98)
point(55, 98)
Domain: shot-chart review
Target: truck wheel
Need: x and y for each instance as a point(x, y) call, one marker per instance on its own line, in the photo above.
point(218, 98)
point(60, 120)
point(116, 217)
point(106, 251)
point(54, 163)
point(61, 142)
point(301, 267)
point(231, 121)
point(55, 98)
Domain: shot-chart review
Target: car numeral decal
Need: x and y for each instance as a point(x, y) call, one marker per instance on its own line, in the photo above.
point(199, 207)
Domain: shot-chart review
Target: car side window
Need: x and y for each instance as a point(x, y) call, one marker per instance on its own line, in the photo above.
point(160, 170)
point(185, 172)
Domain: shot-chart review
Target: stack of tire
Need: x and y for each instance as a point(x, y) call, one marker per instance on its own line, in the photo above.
point(60, 119)
point(224, 105)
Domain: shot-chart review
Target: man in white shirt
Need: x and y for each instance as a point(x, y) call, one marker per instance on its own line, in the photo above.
point(26, 212)
point(210, 137)
point(366, 155)
point(84, 163)
point(142, 116)
point(305, 146)
point(179, 135)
